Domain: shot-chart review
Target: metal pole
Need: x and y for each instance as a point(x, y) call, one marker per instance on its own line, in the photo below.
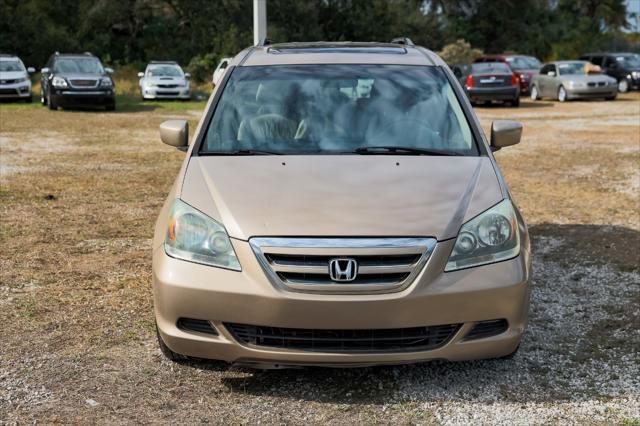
point(259, 21)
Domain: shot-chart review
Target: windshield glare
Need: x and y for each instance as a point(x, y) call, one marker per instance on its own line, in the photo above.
point(10, 66)
point(524, 63)
point(572, 68)
point(307, 109)
point(78, 66)
point(164, 71)
point(629, 61)
point(490, 67)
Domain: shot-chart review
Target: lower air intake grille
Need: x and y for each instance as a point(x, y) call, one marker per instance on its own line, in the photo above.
point(487, 329)
point(199, 326)
point(380, 340)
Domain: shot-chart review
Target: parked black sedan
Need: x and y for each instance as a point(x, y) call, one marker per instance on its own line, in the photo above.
point(76, 80)
point(490, 81)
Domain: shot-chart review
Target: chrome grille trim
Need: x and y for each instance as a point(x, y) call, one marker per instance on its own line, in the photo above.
point(290, 275)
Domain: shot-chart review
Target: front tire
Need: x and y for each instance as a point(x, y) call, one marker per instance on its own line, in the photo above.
point(43, 98)
point(168, 353)
point(534, 93)
point(110, 107)
point(562, 94)
point(610, 98)
point(623, 86)
point(515, 102)
point(29, 99)
point(51, 102)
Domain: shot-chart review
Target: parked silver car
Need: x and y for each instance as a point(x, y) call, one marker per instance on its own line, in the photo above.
point(565, 80)
point(15, 79)
point(164, 80)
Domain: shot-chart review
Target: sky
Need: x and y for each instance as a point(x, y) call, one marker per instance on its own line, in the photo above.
point(633, 6)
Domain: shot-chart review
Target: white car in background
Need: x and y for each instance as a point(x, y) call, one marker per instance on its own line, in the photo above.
point(220, 70)
point(164, 80)
point(15, 82)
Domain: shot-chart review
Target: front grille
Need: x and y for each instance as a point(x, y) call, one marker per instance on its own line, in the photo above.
point(200, 326)
point(8, 92)
point(167, 86)
point(381, 264)
point(83, 83)
point(487, 329)
point(165, 93)
point(376, 340)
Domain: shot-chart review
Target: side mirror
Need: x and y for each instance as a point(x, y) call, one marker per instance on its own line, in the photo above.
point(31, 70)
point(551, 73)
point(140, 74)
point(175, 133)
point(187, 75)
point(44, 70)
point(108, 70)
point(505, 133)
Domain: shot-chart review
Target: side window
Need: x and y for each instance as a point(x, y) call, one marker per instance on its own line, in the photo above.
point(596, 60)
point(545, 69)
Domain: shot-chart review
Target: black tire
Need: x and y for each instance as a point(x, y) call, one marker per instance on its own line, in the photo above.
point(610, 98)
point(534, 94)
point(168, 353)
point(515, 102)
point(512, 354)
point(110, 107)
point(561, 97)
point(51, 103)
point(623, 85)
point(29, 99)
point(43, 98)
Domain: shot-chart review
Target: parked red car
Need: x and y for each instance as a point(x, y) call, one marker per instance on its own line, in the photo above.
point(522, 66)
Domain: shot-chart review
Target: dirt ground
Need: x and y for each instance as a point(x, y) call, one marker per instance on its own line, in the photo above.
point(80, 191)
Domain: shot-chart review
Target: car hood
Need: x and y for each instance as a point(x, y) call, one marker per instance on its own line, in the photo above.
point(12, 75)
point(586, 78)
point(164, 80)
point(80, 76)
point(346, 195)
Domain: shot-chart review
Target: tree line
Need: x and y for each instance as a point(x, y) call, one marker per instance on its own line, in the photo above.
point(199, 32)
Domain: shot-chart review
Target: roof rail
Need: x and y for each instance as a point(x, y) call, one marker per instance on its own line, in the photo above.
point(403, 40)
point(265, 42)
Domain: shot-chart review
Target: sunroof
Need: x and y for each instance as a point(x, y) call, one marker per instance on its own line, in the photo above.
point(337, 49)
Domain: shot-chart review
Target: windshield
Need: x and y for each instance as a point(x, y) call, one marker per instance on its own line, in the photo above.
point(489, 67)
point(164, 71)
point(572, 68)
point(629, 61)
point(9, 66)
point(78, 66)
point(307, 109)
point(523, 63)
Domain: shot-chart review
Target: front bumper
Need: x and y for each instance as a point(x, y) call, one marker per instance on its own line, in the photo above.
point(188, 290)
point(493, 93)
point(181, 93)
point(20, 90)
point(93, 97)
point(588, 92)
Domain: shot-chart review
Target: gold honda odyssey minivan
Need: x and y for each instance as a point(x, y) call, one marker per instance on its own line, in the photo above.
point(339, 205)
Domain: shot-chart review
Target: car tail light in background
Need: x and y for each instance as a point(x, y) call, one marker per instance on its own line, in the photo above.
point(514, 80)
point(469, 81)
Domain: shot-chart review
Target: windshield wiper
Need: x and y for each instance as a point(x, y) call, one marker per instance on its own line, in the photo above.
point(401, 150)
point(242, 152)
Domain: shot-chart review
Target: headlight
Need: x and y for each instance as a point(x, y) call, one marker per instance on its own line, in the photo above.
point(195, 237)
point(59, 82)
point(524, 77)
point(21, 79)
point(106, 82)
point(490, 237)
point(636, 74)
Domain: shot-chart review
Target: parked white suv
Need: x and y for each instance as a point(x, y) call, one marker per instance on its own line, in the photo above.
point(15, 82)
point(164, 80)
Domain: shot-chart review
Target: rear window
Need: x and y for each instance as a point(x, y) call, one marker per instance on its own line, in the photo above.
point(490, 67)
point(316, 109)
point(523, 63)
